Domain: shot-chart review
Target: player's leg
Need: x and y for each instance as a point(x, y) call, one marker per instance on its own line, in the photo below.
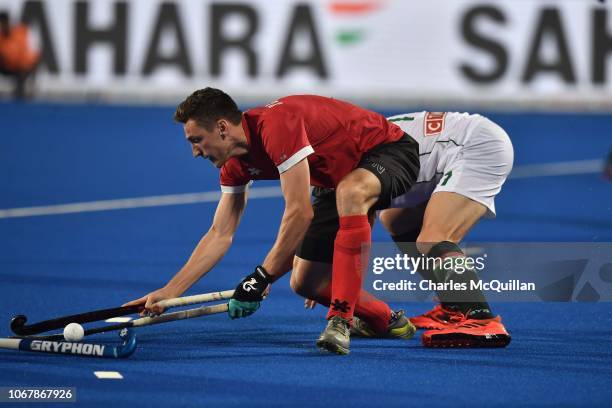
point(355, 195)
point(465, 194)
point(448, 218)
point(312, 269)
point(472, 177)
point(385, 172)
point(312, 280)
point(351, 232)
point(404, 226)
point(403, 221)
point(320, 245)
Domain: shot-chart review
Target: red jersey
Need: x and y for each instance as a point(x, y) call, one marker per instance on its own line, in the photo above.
point(332, 134)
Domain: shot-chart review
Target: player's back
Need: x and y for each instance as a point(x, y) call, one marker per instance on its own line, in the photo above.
point(333, 134)
point(325, 118)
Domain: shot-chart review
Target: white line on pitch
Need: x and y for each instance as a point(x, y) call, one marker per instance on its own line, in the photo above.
point(125, 203)
point(527, 171)
point(558, 169)
point(108, 375)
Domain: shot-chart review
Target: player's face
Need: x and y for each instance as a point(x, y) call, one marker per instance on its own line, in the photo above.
point(208, 144)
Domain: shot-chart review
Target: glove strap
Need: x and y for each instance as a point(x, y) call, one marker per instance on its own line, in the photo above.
point(263, 274)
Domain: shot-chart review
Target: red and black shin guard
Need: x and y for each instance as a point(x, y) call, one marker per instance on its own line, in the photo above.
point(351, 251)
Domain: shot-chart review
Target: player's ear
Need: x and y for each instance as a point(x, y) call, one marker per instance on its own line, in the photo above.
point(222, 125)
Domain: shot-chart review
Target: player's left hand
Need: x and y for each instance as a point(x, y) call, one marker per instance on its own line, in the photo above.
point(249, 293)
point(149, 301)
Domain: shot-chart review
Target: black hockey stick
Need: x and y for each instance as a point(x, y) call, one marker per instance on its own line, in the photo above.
point(19, 327)
point(145, 321)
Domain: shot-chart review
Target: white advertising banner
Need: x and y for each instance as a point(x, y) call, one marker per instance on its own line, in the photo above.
point(433, 51)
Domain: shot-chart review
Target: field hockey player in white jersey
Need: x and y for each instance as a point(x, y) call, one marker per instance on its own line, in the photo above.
point(465, 159)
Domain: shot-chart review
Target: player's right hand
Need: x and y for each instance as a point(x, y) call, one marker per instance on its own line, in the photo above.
point(149, 302)
point(309, 303)
point(249, 293)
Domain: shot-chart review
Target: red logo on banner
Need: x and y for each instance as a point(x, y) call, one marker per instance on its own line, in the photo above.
point(434, 123)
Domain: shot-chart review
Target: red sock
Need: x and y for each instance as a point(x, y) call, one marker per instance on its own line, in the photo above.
point(371, 310)
point(351, 250)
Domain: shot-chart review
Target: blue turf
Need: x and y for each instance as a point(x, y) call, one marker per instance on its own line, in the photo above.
point(54, 265)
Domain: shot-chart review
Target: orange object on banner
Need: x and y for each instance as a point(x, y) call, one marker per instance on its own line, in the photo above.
point(16, 54)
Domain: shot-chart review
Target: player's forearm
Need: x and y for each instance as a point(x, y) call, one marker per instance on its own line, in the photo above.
point(209, 251)
point(293, 227)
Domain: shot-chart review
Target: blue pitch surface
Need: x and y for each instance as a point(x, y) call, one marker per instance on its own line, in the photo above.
point(60, 264)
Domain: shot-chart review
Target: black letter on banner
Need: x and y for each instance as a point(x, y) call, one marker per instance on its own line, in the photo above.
point(33, 14)
point(220, 43)
point(302, 21)
point(168, 20)
point(496, 50)
point(549, 23)
point(602, 45)
point(114, 35)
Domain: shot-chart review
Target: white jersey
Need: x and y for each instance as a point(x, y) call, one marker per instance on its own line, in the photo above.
point(453, 147)
point(438, 135)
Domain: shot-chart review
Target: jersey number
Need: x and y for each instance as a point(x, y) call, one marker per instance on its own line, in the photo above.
point(447, 177)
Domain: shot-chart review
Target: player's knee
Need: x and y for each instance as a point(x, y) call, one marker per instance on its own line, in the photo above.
point(298, 281)
point(299, 285)
point(388, 220)
point(294, 283)
point(349, 189)
point(351, 197)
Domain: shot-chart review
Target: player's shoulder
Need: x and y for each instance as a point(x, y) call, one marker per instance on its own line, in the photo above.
point(271, 109)
point(284, 110)
point(303, 98)
point(293, 103)
point(272, 114)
